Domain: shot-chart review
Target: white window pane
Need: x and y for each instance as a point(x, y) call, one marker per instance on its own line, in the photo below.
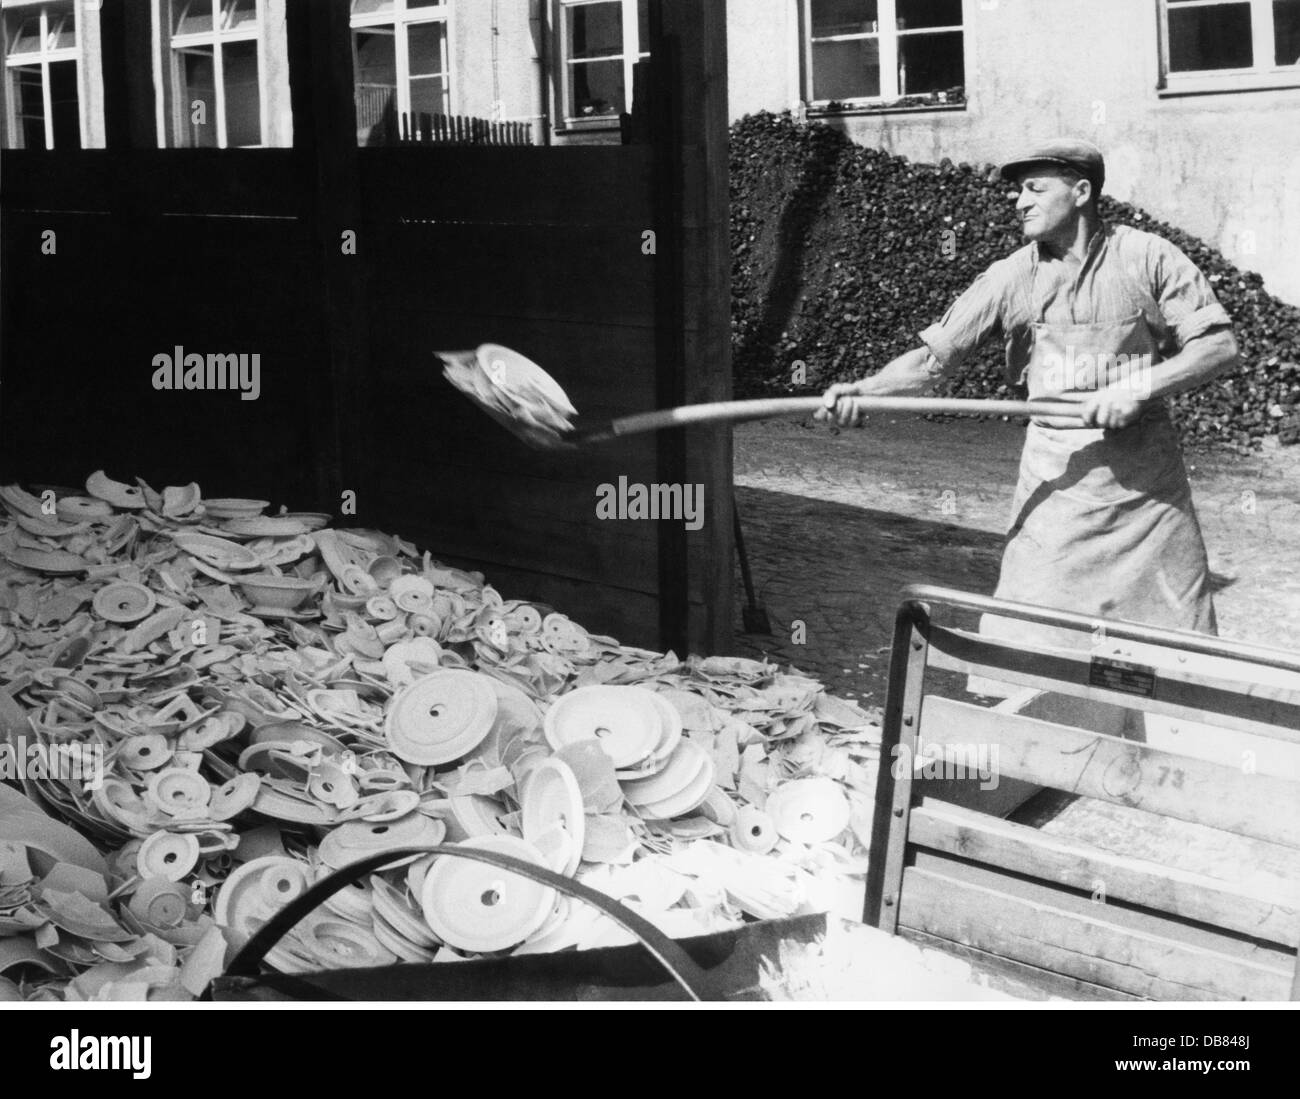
point(595, 30)
point(643, 25)
point(834, 17)
point(243, 99)
point(29, 105)
point(63, 29)
point(596, 88)
point(238, 13)
point(192, 16)
point(425, 48)
point(428, 96)
point(1286, 32)
point(931, 62)
point(1217, 36)
point(846, 70)
point(25, 33)
point(376, 50)
point(198, 86)
point(917, 14)
point(376, 82)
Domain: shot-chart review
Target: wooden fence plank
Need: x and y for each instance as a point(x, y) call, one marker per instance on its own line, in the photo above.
point(1122, 771)
point(1101, 944)
point(586, 185)
point(1251, 707)
point(1063, 861)
point(209, 182)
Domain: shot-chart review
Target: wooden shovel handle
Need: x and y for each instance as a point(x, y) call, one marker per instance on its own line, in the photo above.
point(740, 411)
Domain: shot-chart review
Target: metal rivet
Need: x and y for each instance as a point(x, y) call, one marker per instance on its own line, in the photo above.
point(908, 721)
point(899, 811)
point(889, 902)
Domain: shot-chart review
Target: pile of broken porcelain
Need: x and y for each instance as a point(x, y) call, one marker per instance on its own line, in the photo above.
point(231, 705)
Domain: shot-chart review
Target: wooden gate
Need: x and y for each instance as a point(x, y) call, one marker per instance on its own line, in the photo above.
point(344, 270)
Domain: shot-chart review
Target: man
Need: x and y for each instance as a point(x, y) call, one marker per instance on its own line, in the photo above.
point(1117, 320)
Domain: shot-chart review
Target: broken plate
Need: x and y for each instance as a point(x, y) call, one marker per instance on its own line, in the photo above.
point(220, 553)
point(810, 810)
point(123, 602)
point(627, 722)
point(256, 891)
point(552, 800)
point(232, 508)
point(441, 717)
point(481, 909)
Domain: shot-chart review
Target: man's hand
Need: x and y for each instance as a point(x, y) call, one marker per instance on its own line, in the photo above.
point(1112, 408)
point(911, 374)
point(840, 407)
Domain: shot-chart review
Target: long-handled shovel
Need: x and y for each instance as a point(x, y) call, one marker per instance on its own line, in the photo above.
point(528, 402)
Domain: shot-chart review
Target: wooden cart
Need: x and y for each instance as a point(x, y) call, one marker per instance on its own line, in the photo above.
point(1125, 825)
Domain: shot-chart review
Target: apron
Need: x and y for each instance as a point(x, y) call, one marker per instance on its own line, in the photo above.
point(1102, 521)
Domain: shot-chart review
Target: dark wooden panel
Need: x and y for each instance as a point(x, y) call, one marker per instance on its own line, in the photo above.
point(77, 390)
point(236, 251)
point(248, 182)
point(600, 367)
point(487, 518)
point(573, 186)
point(427, 431)
point(578, 273)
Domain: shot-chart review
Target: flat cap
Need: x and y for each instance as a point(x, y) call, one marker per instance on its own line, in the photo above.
point(1071, 152)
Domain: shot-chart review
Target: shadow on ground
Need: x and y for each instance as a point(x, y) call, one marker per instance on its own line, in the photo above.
point(838, 570)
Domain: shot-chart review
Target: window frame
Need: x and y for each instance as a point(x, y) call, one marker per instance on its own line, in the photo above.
point(401, 18)
point(887, 33)
point(632, 53)
point(44, 57)
point(179, 44)
point(1255, 78)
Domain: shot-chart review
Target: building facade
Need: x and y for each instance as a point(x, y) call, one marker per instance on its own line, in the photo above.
point(1195, 102)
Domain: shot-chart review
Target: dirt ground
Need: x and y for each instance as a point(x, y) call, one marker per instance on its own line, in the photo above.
point(837, 523)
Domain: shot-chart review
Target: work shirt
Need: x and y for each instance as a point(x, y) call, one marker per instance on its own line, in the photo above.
point(1124, 271)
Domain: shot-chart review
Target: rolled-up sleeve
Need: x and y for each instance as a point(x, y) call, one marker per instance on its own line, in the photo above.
point(1186, 298)
point(971, 319)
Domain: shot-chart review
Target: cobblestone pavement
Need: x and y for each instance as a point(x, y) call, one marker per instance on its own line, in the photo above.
point(837, 523)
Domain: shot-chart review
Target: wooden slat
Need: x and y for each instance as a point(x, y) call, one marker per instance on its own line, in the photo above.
point(1245, 705)
point(1109, 946)
point(225, 182)
point(1025, 982)
point(1121, 771)
point(581, 273)
point(431, 444)
point(588, 185)
point(1062, 861)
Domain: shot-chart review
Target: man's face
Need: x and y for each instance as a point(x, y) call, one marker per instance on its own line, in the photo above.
point(1050, 202)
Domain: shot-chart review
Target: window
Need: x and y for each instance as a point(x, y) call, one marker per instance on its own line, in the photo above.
point(876, 51)
point(41, 52)
point(215, 74)
point(401, 65)
point(600, 41)
point(1217, 45)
